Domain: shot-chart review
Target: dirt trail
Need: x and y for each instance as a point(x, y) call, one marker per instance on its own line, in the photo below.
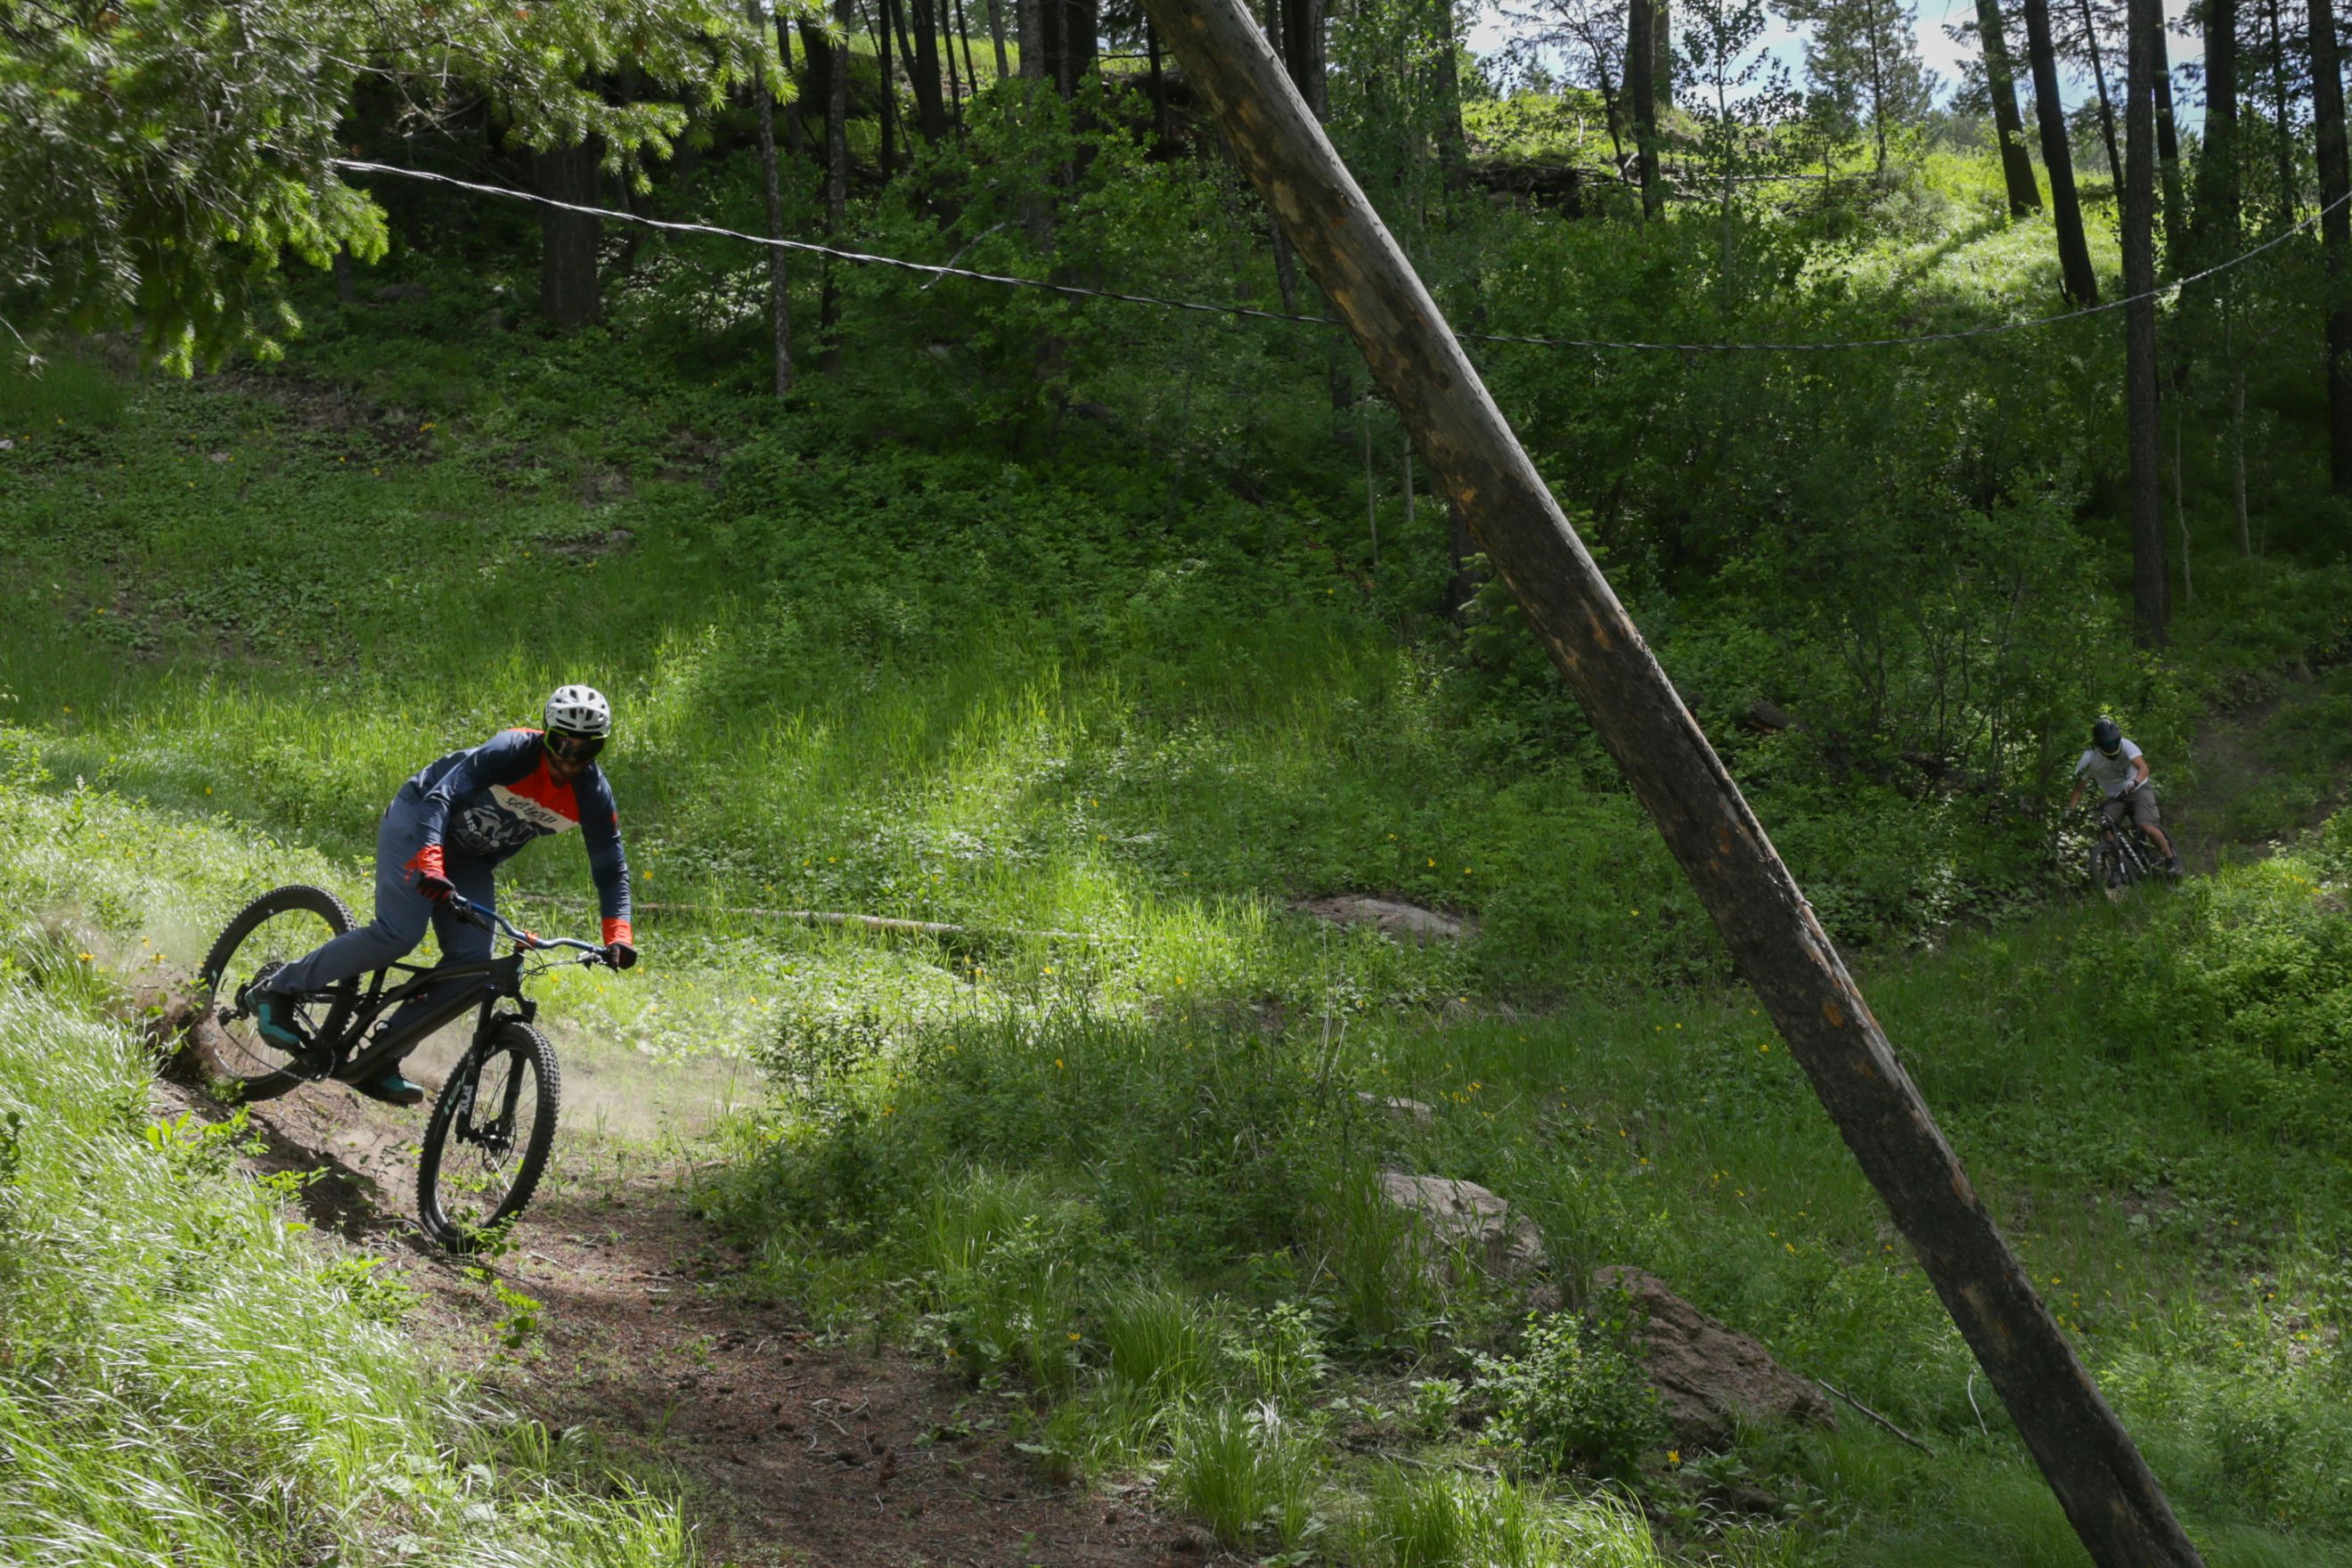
point(790, 1450)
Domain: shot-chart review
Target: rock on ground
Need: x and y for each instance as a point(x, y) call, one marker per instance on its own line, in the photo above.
point(1464, 1217)
point(1391, 916)
point(1703, 1370)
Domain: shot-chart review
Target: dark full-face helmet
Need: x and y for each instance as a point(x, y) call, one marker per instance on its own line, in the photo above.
point(2108, 736)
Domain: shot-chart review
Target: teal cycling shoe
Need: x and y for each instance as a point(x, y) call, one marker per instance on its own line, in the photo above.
point(392, 1089)
point(276, 1020)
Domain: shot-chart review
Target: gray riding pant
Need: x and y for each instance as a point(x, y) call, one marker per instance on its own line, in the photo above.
point(402, 912)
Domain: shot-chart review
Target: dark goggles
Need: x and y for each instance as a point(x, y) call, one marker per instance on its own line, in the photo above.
point(573, 748)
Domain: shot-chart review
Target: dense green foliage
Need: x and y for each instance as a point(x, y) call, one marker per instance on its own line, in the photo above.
point(159, 159)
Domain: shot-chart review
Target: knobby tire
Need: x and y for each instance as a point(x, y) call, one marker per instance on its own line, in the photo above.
point(523, 1049)
point(257, 1076)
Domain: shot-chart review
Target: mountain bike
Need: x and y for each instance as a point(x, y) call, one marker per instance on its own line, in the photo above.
point(2119, 858)
point(486, 1140)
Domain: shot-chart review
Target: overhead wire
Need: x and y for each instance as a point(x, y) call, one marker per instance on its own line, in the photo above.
point(1251, 312)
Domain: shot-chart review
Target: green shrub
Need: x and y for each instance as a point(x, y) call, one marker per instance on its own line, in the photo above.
point(1573, 1398)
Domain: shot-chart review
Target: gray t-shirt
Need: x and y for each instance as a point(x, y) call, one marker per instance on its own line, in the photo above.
point(2111, 773)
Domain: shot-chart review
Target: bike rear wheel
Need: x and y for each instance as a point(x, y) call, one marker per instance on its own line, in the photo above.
point(282, 925)
point(488, 1140)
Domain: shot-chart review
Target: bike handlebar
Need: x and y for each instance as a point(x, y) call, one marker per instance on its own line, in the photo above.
point(481, 915)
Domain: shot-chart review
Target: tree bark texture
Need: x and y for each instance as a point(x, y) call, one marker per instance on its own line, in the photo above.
point(996, 37)
point(836, 186)
point(889, 110)
point(1640, 85)
point(2151, 591)
point(2098, 1476)
point(1661, 53)
point(1160, 148)
point(817, 77)
point(568, 292)
point(2334, 236)
point(1303, 52)
point(779, 300)
point(923, 70)
point(2216, 222)
point(1031, 20)
point(2099, 80)
point(2080, 283)
point(2000, 78)
point(2281, 128)
point(2168, 154)
point(1453, 139)
point(971, 72)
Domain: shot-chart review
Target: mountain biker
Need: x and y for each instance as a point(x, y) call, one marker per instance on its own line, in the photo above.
point(445, 832)
point(2119, 768)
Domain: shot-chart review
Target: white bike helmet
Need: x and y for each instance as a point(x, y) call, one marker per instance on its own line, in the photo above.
point(579, 710)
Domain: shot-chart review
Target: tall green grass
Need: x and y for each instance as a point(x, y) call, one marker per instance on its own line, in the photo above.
point(186, 1379)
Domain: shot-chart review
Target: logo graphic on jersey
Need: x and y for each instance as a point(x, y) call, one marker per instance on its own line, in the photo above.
point(487, 830)
point(542, 818)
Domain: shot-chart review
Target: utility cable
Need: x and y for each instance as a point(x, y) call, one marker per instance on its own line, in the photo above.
point(1074, 290)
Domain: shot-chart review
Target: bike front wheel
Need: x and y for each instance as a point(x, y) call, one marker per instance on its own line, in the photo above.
point(282, 925)
point(488, 1140)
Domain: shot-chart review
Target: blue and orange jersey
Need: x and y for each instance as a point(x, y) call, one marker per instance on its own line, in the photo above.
point(492, 800)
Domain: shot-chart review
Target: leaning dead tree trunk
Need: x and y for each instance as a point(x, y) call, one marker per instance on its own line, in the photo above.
point(2089, 1460)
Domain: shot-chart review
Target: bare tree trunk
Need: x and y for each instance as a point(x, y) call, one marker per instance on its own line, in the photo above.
point(2081, 284)
point(816, 97)
point(1159, 147)
point(941, 11)
point(2285, 139)
point(923, 69)
point(2180, 511)
point(2336, 236)
point(2150, 589)
point(779, 300)
point(2106, 104)
point(1452, 140)
point(1661, 53)
point(568, 292)
point(1031, 20)
point(836, 182)
point(2167, 156)
point(2217, 220)
point(963, 31)
point(1303, 53)
point(889, 112)
point(791, 131)
point(2016, 163)
point(2237, 455)
point(2098, 1475)
point(1640, 81)
point(346, 291)
point(996, 37)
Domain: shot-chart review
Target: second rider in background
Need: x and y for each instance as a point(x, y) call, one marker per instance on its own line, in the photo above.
point(2119, 768)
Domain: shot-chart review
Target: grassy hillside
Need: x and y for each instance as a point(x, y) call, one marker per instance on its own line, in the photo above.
point(889, 651)
point(183, 1378)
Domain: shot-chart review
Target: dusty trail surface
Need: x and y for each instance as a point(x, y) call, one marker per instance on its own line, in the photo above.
point(790, 1450)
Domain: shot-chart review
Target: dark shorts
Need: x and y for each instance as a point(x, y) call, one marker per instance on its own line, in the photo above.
point(2140, 804)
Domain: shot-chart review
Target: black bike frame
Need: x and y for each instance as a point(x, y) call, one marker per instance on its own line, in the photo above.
point(493, 977)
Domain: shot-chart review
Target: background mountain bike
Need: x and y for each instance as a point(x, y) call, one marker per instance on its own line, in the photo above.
point(486, 1140)
point(2120, 856)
